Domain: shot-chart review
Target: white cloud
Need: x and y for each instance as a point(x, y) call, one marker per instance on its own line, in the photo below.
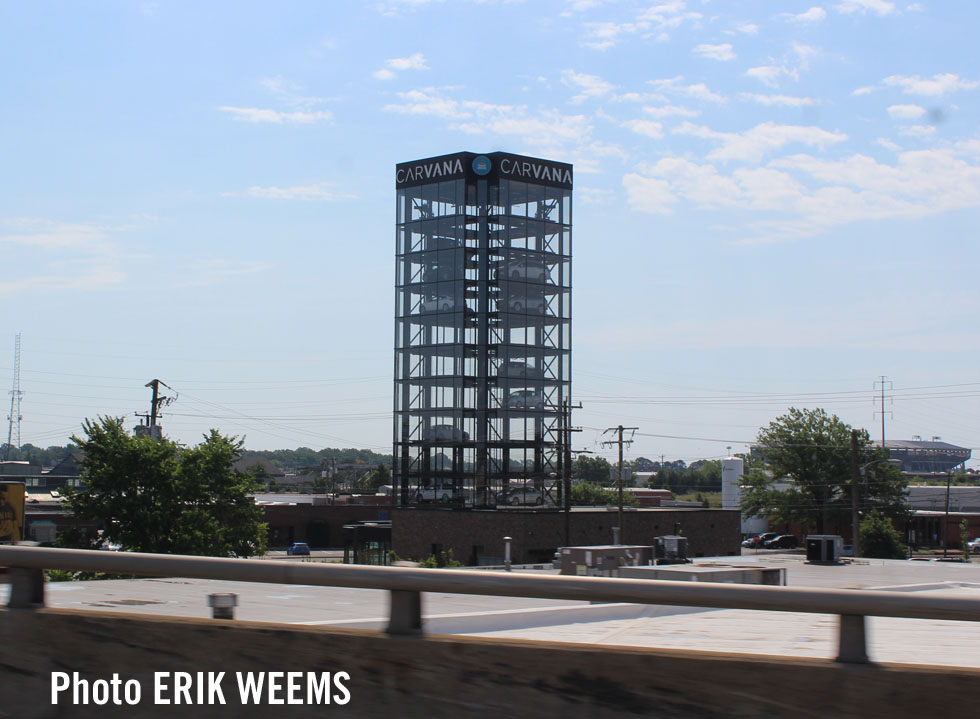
point(654, 21)
point(778, 100)
point(814, 14)
point(879, 7)
point(647, 194)
point(906, 112)
point(75, 256)
point(670, 111)
point(290, 93)
point(48, 235)
point(591, 86)
point(747, 28)
point(888, 144)
point(650, 128)
point(669, 15)
point(866, 90)
point(804, 53)
point(319, 192)
point(415, 61)
point(394, 65)
point(427, 102)
point(716, 52)
point(753, 144)
point(604, 35)
point(593, 195)
point(769, 75)
point(255, 114)
point(917, 130)
point(698, 91)
point(547, 130)
point(938, 85)
point(914, 7)
point(811, 193)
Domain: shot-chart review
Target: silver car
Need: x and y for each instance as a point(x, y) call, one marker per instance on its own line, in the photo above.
point(439, 303)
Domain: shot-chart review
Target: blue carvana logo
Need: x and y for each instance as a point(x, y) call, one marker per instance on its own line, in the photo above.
point(481, 165)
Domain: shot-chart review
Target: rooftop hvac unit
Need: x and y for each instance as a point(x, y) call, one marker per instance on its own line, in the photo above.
point(824, 548)
point(670, 549)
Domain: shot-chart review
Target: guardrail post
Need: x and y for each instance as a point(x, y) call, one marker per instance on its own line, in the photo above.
point(852, 648)
point(26, 588)
point(406, 612)
point(223, 605)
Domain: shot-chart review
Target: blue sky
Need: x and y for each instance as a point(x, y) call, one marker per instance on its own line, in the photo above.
point(775, 205)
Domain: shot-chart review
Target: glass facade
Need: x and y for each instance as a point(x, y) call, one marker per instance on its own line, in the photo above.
point(482, 329)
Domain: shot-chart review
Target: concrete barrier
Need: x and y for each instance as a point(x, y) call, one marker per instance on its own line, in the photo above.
point(442, 676)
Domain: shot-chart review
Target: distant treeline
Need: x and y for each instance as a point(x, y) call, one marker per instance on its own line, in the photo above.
point(286, 459)
point(305, 458)
point(36, 456)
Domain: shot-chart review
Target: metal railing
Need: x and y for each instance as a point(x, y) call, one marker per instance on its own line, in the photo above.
point(406, 585)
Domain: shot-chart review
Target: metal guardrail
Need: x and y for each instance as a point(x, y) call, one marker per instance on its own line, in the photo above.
point(406, 585)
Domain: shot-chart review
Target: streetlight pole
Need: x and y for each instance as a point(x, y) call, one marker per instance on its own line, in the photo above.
point(949, 475)
point(855, 497)
point(856, 474)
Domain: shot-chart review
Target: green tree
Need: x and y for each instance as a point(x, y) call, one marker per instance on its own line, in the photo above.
point(152, 496)
point(587, 494)
point(594, 470)
point(880, 539)
point(811, 450)
point(380, 477)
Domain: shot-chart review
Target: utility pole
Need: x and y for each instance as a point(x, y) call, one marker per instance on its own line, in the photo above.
point(855, 494)
point(619, 478)
point(565, 432)
point(156, 403)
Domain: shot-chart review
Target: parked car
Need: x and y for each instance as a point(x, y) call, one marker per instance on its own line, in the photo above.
point(516, 495)
point(758, 540)
point(525, 399)
point(439, 303)
point(974, 546)
point(434, 494)
point(298, 549)
point(527, 269)
point(516, 368)
point(444, 433)
point(531, 305)
point(783, 541)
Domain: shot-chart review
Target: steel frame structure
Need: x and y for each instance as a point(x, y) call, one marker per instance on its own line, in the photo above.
point(482, 329)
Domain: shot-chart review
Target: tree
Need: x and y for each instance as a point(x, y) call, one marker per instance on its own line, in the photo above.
point(879, 539)
point(152, 496)
point(587, 494)
point(812, 451)
point(591, 469)
point(380, 477)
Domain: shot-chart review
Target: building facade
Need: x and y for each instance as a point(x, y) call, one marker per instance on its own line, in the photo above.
point(483, 315)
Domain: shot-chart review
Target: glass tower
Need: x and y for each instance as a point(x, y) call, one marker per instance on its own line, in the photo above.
point(483, 312)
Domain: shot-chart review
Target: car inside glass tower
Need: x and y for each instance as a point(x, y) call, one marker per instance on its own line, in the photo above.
point(482, 330)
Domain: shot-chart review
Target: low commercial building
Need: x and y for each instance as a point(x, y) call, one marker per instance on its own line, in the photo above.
point(477, 537)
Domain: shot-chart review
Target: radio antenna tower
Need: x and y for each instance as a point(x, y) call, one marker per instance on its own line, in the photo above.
point(15, 395)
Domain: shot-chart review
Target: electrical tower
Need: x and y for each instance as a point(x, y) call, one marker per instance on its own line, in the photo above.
point(883, 382)
point(15, 396)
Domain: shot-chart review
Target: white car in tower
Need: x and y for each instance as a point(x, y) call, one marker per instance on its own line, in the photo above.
point(525, 399)
point(439, 303)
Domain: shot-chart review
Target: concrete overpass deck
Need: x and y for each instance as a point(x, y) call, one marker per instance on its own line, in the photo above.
point(913, 641)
